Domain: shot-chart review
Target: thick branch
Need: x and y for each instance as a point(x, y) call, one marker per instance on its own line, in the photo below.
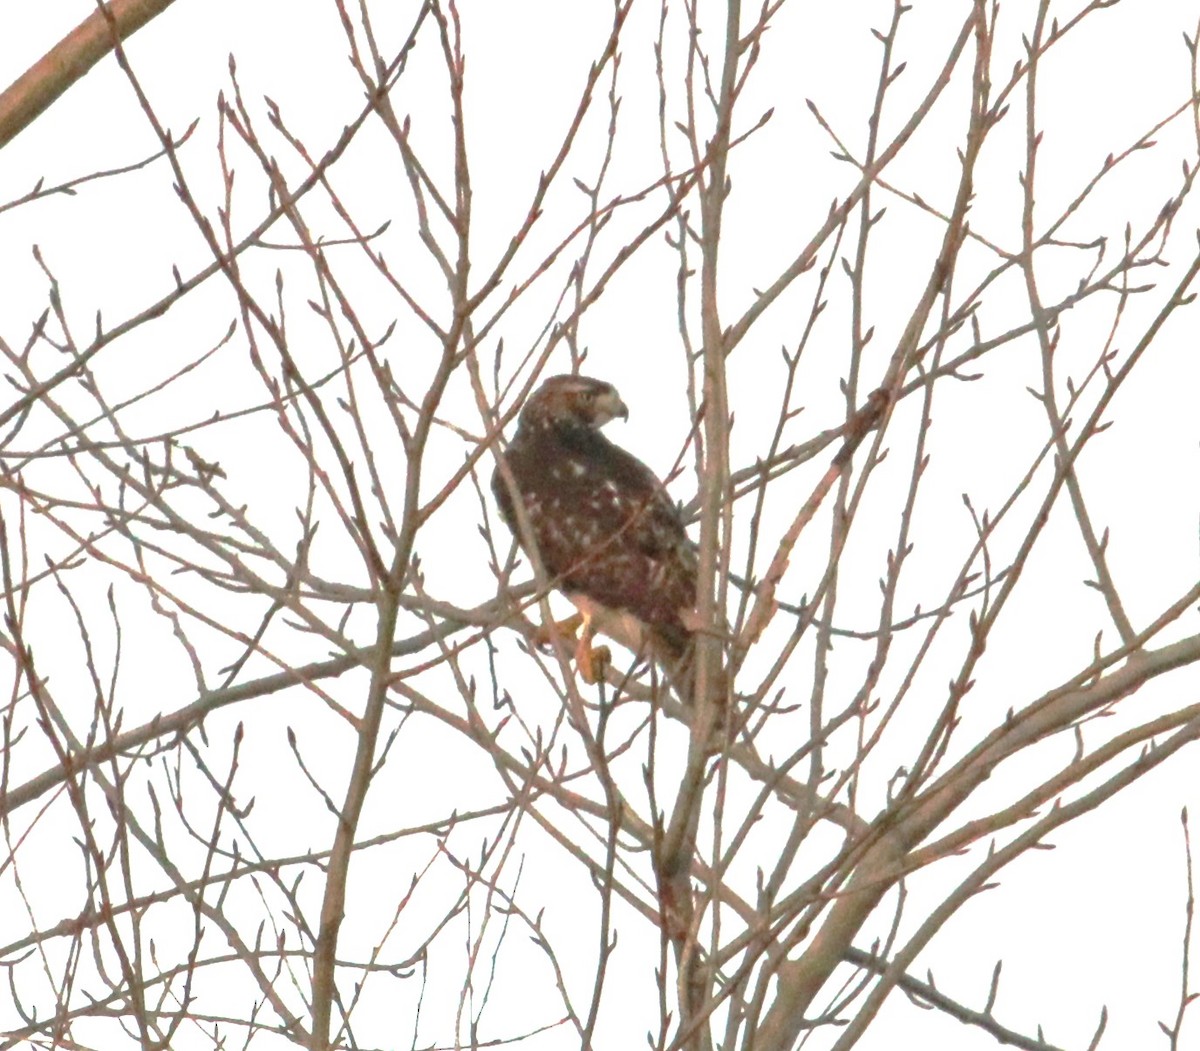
point(33, 92)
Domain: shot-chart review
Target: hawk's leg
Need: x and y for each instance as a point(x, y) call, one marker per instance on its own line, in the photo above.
point(590, 660)
point(545, 634)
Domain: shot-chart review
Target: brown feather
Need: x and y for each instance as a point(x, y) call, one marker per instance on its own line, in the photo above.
point(606, 531)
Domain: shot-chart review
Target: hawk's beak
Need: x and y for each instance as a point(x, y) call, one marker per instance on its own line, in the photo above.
point(611, 406)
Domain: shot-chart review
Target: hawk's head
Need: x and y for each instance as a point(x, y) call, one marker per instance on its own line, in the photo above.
point(577, 400)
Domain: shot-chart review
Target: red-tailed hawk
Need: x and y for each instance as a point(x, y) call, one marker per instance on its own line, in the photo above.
point(608, 535)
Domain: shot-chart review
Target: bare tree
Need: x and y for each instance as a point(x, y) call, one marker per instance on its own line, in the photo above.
point(286, 754)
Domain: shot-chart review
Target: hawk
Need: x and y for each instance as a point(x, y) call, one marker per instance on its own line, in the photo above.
point(607, 534)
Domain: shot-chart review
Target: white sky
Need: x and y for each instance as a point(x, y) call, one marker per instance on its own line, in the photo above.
point(1096, 921)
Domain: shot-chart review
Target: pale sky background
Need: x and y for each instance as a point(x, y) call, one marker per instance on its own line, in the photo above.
point(1096, 921)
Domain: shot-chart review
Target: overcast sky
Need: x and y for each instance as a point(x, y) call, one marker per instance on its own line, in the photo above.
point(1116, 878)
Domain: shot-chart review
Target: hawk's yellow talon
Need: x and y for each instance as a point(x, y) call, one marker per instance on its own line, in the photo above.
point(592, 661)
point(545, 634)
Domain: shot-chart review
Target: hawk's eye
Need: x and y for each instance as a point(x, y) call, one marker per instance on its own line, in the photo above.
point(588, 395)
